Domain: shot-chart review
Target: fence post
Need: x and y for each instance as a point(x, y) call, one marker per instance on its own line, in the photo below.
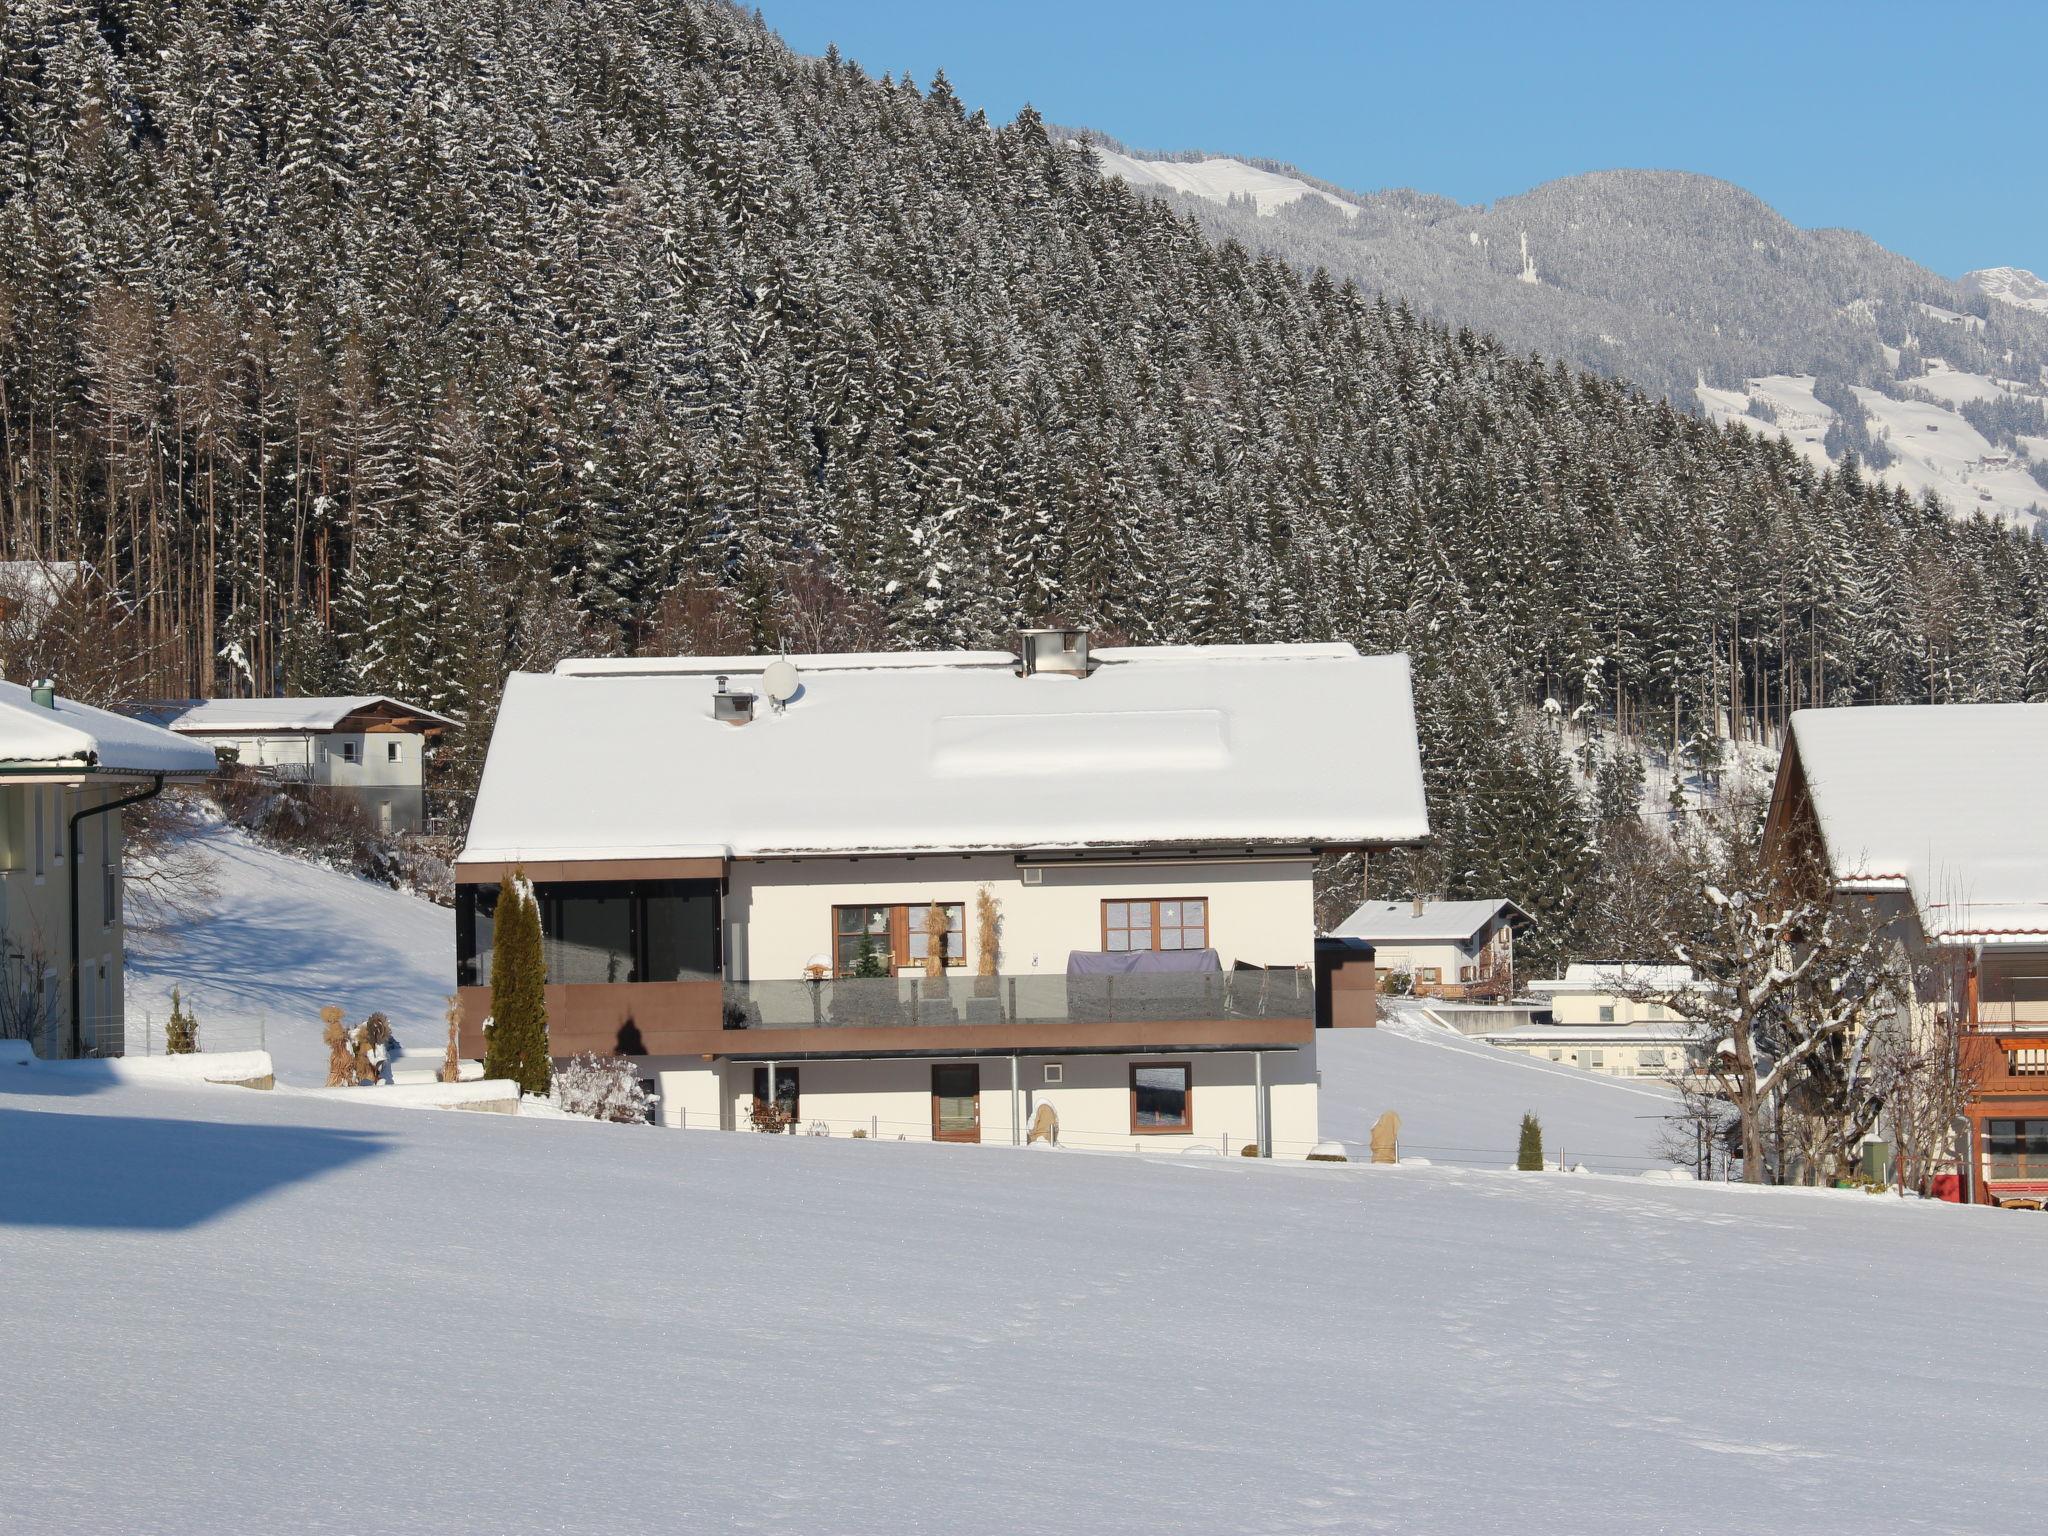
point(874, 1127)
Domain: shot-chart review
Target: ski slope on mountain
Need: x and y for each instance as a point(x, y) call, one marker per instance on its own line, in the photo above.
point(1462, 1102)
point(292, 1313)
point(279, 939)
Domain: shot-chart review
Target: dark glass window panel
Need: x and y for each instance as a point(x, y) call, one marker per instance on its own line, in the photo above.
point(1161, 1096)
point(587, 933)
point(679, 925)
point(475, 906)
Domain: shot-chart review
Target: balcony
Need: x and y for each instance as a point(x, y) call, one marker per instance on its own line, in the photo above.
point(922, 1001)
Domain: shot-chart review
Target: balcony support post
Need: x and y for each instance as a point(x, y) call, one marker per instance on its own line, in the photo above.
point(1259, 1103)
point(1016, 1126)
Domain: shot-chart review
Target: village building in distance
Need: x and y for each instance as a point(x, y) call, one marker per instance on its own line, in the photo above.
point(955, 896)
point(1455, 950)
point(66, 772)
point(1935, 813)
point(366, 747)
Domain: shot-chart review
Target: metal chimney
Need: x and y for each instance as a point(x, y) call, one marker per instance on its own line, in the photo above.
point(1063, 652)
point(43, 691)
point(732, 708)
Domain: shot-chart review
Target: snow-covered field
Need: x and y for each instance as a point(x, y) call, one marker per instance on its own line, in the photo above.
point(232, 1311)
point(1462, 1103)
point(283, 938)
point(1937, 450)
point(1217, 178)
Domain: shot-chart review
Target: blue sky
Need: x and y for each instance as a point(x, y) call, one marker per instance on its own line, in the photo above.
point(1920, 124)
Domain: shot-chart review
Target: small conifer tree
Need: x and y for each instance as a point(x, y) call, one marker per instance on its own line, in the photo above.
point(1530, 1158)
point(518, 1045)
point(867, 960)
point(181, 1031)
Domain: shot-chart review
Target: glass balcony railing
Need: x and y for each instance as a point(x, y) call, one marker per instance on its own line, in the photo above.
point(890, 1002)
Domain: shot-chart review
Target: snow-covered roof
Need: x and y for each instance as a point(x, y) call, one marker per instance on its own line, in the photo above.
point(76, 738)
point(1439, 922)
point(1597, 1034)
point(1618, 976)
point(227, 717)
point(953, 751)
point(1946, 801)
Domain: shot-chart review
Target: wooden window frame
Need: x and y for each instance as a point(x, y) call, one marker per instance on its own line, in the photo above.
point(1155, 902)
point(898, 952)
point(1429, 975)
point(1187, 1125)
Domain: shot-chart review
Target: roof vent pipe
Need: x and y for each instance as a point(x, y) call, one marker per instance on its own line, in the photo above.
point(1063, 652)
point(1419, 905)
point(43, 691)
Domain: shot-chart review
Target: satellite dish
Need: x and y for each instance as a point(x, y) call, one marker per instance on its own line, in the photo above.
point(779, 681)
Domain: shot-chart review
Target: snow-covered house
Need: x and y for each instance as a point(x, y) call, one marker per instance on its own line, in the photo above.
point(737, 861)
point(1601, 1020)
point(366, 746)
point(1447, 949)
point(66, 770)
point(1936, 815)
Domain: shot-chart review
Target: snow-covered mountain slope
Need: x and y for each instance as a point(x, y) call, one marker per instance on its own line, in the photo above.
point(1218, 179)
point(1933, 447)
point(281, 938)
point(245, 1312)
point(1462, 1103)
point(1687, 286)
point(2012, 285)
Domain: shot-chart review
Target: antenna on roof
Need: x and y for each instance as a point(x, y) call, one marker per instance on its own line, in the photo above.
point(779, 681)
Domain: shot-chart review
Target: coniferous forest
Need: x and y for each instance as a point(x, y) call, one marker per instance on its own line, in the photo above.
point(392, 347)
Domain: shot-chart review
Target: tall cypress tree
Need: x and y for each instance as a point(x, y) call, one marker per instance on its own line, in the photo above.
point(518, 1044)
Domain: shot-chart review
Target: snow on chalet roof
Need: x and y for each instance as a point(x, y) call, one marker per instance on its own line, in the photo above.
point(1439, 922)
point(1618, 976)
point(225, 717)
point(1947, 801)
point(954, 751)
point(76, 738)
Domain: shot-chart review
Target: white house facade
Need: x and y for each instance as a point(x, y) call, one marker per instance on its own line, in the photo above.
point(745, 866)
point(66, 772)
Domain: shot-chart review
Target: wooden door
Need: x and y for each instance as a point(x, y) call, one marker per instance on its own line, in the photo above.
point(956, 1102)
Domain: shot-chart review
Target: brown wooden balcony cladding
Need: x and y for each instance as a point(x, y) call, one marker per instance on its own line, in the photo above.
point(891, 1017)
point(2007, 1066)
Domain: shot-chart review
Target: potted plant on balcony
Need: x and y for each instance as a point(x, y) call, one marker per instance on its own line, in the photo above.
point(935, 1004)
point(986, 1006)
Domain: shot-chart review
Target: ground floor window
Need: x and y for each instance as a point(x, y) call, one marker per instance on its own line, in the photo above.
point(1141, 925)
point(787, 1099)
point(891, 935)
point(2017, 1149)
point(1162, 1098)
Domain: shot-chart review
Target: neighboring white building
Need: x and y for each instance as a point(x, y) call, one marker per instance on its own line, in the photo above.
point(715, 870)
point(1447, 949)
point(1602, 1021)
point(368, 746)
point(65, 769)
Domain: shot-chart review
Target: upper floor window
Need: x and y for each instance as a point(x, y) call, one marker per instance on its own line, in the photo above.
point(895, 935)
point(1607, 1013)
point(602, 931)
point(351, 751)
point(1178, 923)
point(392, 753)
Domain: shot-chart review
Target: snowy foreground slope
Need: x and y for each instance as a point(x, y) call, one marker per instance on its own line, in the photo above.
point(281, 939)
point(233, 1311)
point(1462, 1102)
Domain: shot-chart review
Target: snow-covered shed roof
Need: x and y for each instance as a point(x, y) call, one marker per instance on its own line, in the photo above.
point(69, 737)
point(229, 717)
point(1438, 922)
point(1618, 976)
point(1948, 802)
point(1280, 745)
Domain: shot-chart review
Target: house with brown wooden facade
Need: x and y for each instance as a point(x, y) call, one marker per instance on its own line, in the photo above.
point(1455, 950)
point(946, 895)
point(1936, 815)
